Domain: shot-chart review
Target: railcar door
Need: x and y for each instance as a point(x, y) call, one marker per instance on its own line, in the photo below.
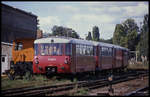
point(125, 58)
point(118, 58)
point(113, 58)
point(73, 59)
point(106, 53)
point(99, 57)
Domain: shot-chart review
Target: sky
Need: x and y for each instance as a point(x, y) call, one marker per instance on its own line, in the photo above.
point(83, 16)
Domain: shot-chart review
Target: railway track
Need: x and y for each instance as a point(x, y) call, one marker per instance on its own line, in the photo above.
point(91, 84)
point(139, 92)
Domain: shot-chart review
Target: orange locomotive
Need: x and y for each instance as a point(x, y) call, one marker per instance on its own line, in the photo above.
point(22, 57)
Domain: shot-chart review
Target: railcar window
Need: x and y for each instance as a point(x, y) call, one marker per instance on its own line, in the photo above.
point(68, 49)
point(84, 50)
point(42, 50)
point(36, 49)
point(81, 49)
point(88, 50)
point(77, 49)
point(91, 50)
point(46, 49)
point(105, 51)
point(94, 51)
point(51, 49)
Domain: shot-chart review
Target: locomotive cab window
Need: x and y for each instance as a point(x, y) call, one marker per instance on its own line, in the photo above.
point(18, 46)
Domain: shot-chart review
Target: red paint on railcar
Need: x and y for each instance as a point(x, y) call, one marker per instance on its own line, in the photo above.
point(61, 62)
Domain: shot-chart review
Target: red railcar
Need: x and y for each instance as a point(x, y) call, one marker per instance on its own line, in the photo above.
point(69, 55)
point(110, 56)
point(63, 55)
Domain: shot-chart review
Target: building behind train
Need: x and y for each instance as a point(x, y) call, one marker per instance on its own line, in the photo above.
point(15, 24)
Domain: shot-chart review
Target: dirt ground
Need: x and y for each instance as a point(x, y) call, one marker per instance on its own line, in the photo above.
point(121, 89)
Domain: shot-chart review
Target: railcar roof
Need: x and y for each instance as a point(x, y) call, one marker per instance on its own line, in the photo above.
point(108, 45)
point(62, 40)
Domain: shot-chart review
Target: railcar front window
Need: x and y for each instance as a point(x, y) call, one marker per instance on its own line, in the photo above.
point(51, 49)
point(42, 50)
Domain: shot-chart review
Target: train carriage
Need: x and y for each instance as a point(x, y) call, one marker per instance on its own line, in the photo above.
point(110, 56)
point(63, 55)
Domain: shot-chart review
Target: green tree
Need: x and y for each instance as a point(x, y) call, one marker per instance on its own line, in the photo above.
point(126, 34)
point(64, 31)
point(131, 37)
point(96, 34)
point(118, 33)
point(75, 35)
point(106, 41)
point(142, 46)
point(89, 37)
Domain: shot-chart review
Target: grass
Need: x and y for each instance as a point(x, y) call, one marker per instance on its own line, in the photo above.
point(81, 92)
point(35, 81)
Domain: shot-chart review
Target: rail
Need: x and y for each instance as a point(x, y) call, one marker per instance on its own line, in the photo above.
point(65, 87)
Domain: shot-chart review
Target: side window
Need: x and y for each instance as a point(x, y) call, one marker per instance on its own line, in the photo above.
point(104, 51)
point(18, 46)
point(77, 49)
point(68, 49)
point(80, 49)
point(36, 49)
point(42, 49)
point(90, 48)
point(94, 51)
point(88, 51)
point(84, 49)
point(109, 51)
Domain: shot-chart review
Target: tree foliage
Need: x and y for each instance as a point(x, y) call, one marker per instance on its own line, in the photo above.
point(106, 41)
point(96, 34)
point(142, 46)
point(125, 34)
point(89, 37)
point(64, 31)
